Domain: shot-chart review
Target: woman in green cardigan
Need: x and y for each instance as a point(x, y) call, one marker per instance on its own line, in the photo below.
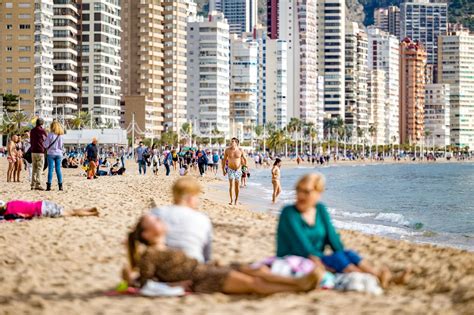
point(305, 229)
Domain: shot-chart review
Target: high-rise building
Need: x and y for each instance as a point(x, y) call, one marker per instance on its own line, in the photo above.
point(272, 18)
point(331, 59)
point(377, 107)
point(456, 68)
point(424, 20)
point(142, 72)
point(297, 25)
point(437, 115)
point(208, 75)
point(26, 54)
point(412, 91)
point(243, 86)
point(240, 14)
point(100, 57)
point(381, 19)
point(388, 20)
point(175, 80)
point(65, 91)
point(384, 54)
point(356, 68)
point(272, 78)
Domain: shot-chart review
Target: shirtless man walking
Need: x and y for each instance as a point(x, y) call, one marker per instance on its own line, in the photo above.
point(232, 167)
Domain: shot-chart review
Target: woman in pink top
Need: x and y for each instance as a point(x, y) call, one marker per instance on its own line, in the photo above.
point(21, 209)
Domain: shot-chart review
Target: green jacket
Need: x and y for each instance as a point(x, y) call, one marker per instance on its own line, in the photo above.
point(296, 237)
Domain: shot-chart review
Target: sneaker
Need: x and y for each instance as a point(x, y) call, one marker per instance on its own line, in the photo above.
point(153, 288)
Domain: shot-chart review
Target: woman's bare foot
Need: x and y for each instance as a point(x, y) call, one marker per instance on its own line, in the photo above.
point(385, 276)
point(403, 277)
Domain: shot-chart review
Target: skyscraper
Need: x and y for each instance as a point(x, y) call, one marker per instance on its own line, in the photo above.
point(297, 25)
point(377, 107)
point(456, 68)
point(272, 78)
point(208, 75)
point(100, 45)
point(356, 54)
point(384, 54)
point(243, 86)
point(388, 20)
point(412, 91)
point(142, 54)
point(65, 91)
point(240, 14)
point(331, 59)
point(272, 18)
point(424, 21)
point(437, 115)
point(26, 57)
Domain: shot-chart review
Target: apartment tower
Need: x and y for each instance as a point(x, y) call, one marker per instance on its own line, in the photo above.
point(142, 54)
point(412, 91)
point(297, 25)
point(240, 14)
point(384, 54)
point(65, 90)
point(456, 68)
point(208, 75)
point(356, 68)
point(388, 20)
point(100, 57)
point(437, 115)
point(424, 21)
point(331, 59)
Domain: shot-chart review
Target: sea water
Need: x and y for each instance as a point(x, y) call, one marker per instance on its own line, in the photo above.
point(427, 203)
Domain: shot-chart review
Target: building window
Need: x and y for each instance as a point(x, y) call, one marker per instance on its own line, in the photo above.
point(9, 26)
point(25, 26)
point(24, 81)
point(9, 81)
point(24, 5)
point(9, 5)
point(23, 69)
point(24, 59)
point(8, 16)
point(8, 59)
point(24, 48)
point(24, 91)
point(8, 48)
point(24, 16)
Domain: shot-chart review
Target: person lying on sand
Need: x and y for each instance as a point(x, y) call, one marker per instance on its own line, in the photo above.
point(189, 229)
point(21, 209)
point(305, 229)
point(160, 263)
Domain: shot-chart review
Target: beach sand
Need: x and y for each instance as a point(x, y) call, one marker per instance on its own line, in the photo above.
point(65, 265)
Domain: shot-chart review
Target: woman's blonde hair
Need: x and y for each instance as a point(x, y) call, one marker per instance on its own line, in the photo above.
point(56, 128)
point(185, 186)
point(316, 180)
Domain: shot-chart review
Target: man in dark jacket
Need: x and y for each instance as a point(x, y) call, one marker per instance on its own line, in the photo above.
point(37, 138)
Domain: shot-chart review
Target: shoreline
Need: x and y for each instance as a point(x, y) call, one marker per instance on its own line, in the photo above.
point(65, 265)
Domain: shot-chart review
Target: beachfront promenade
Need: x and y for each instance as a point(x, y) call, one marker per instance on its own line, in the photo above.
point(65, 265)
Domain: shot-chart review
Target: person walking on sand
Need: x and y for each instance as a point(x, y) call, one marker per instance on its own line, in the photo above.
point(276, 180)
point(232, 167)
point(54, 143)
point(92, 155)
point(37, 138)
point(141, 153)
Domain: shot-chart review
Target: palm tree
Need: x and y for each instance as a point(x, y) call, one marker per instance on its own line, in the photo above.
point(80, 120)
point(215, 132)
point(186, 131)
point(293, 126)
point(17, 123)
point(360, 134)
point(372, 132)
point(10, 102)
point(169, 138)
point(276, 140)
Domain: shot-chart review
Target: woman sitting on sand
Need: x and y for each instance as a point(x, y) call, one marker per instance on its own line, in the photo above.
point(160, 263)
point(305, 229)
point(21, 209)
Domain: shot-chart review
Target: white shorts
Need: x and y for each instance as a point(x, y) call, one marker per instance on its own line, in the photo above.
point(51, 210)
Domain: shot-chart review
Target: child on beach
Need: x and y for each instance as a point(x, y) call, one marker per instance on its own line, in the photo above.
point(21, 209)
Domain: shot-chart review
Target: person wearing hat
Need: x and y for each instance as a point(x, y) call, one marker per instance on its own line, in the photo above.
point(92, 155)
point(37, 137)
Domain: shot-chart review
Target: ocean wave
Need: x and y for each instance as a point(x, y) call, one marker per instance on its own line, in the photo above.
point(392, 218)
point(376, 229)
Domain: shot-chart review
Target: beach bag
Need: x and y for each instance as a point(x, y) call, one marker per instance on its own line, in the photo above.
point(28, 158)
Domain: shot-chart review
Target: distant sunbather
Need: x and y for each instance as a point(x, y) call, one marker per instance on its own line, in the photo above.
point(161, 263)
point(21, 209)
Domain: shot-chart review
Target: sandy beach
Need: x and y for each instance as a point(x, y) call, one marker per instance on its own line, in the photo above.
point(65, 265)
